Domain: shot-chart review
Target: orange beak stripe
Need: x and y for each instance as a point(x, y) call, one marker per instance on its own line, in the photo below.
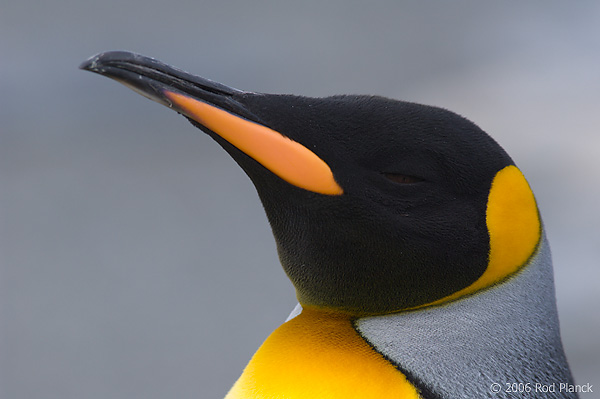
point(286, 158)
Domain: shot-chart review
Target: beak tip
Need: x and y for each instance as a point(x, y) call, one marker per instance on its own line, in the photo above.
point(96, 62)
point(92, 64)
point(88, 65)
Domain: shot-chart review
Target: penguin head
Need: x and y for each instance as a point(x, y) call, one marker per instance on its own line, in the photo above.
point(376, 205)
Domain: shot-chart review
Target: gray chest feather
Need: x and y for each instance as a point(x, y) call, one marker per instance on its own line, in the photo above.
point(506, 335)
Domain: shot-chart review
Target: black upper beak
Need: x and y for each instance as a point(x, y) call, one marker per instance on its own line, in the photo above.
point(150, 77)
point(218, 109)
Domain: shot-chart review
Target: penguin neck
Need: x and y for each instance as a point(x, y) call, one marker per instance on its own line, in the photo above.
point(317, 354)
point(503, 334)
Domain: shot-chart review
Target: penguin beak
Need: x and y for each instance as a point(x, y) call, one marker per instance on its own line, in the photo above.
point(214, 106)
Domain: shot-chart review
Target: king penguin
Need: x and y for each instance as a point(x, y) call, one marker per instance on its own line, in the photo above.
point(414, 243)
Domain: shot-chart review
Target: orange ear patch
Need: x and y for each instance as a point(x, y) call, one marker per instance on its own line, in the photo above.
point(514, 228)
point(513, 224)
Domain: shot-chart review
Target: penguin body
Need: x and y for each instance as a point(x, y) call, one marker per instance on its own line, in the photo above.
point(413, 241)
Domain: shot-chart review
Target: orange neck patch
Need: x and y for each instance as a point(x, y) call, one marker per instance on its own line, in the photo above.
point(319, 355)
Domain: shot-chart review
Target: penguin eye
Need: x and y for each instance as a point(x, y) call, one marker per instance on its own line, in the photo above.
point(402, 179)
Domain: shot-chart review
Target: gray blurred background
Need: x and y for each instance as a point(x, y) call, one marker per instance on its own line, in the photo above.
point(136, 261)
